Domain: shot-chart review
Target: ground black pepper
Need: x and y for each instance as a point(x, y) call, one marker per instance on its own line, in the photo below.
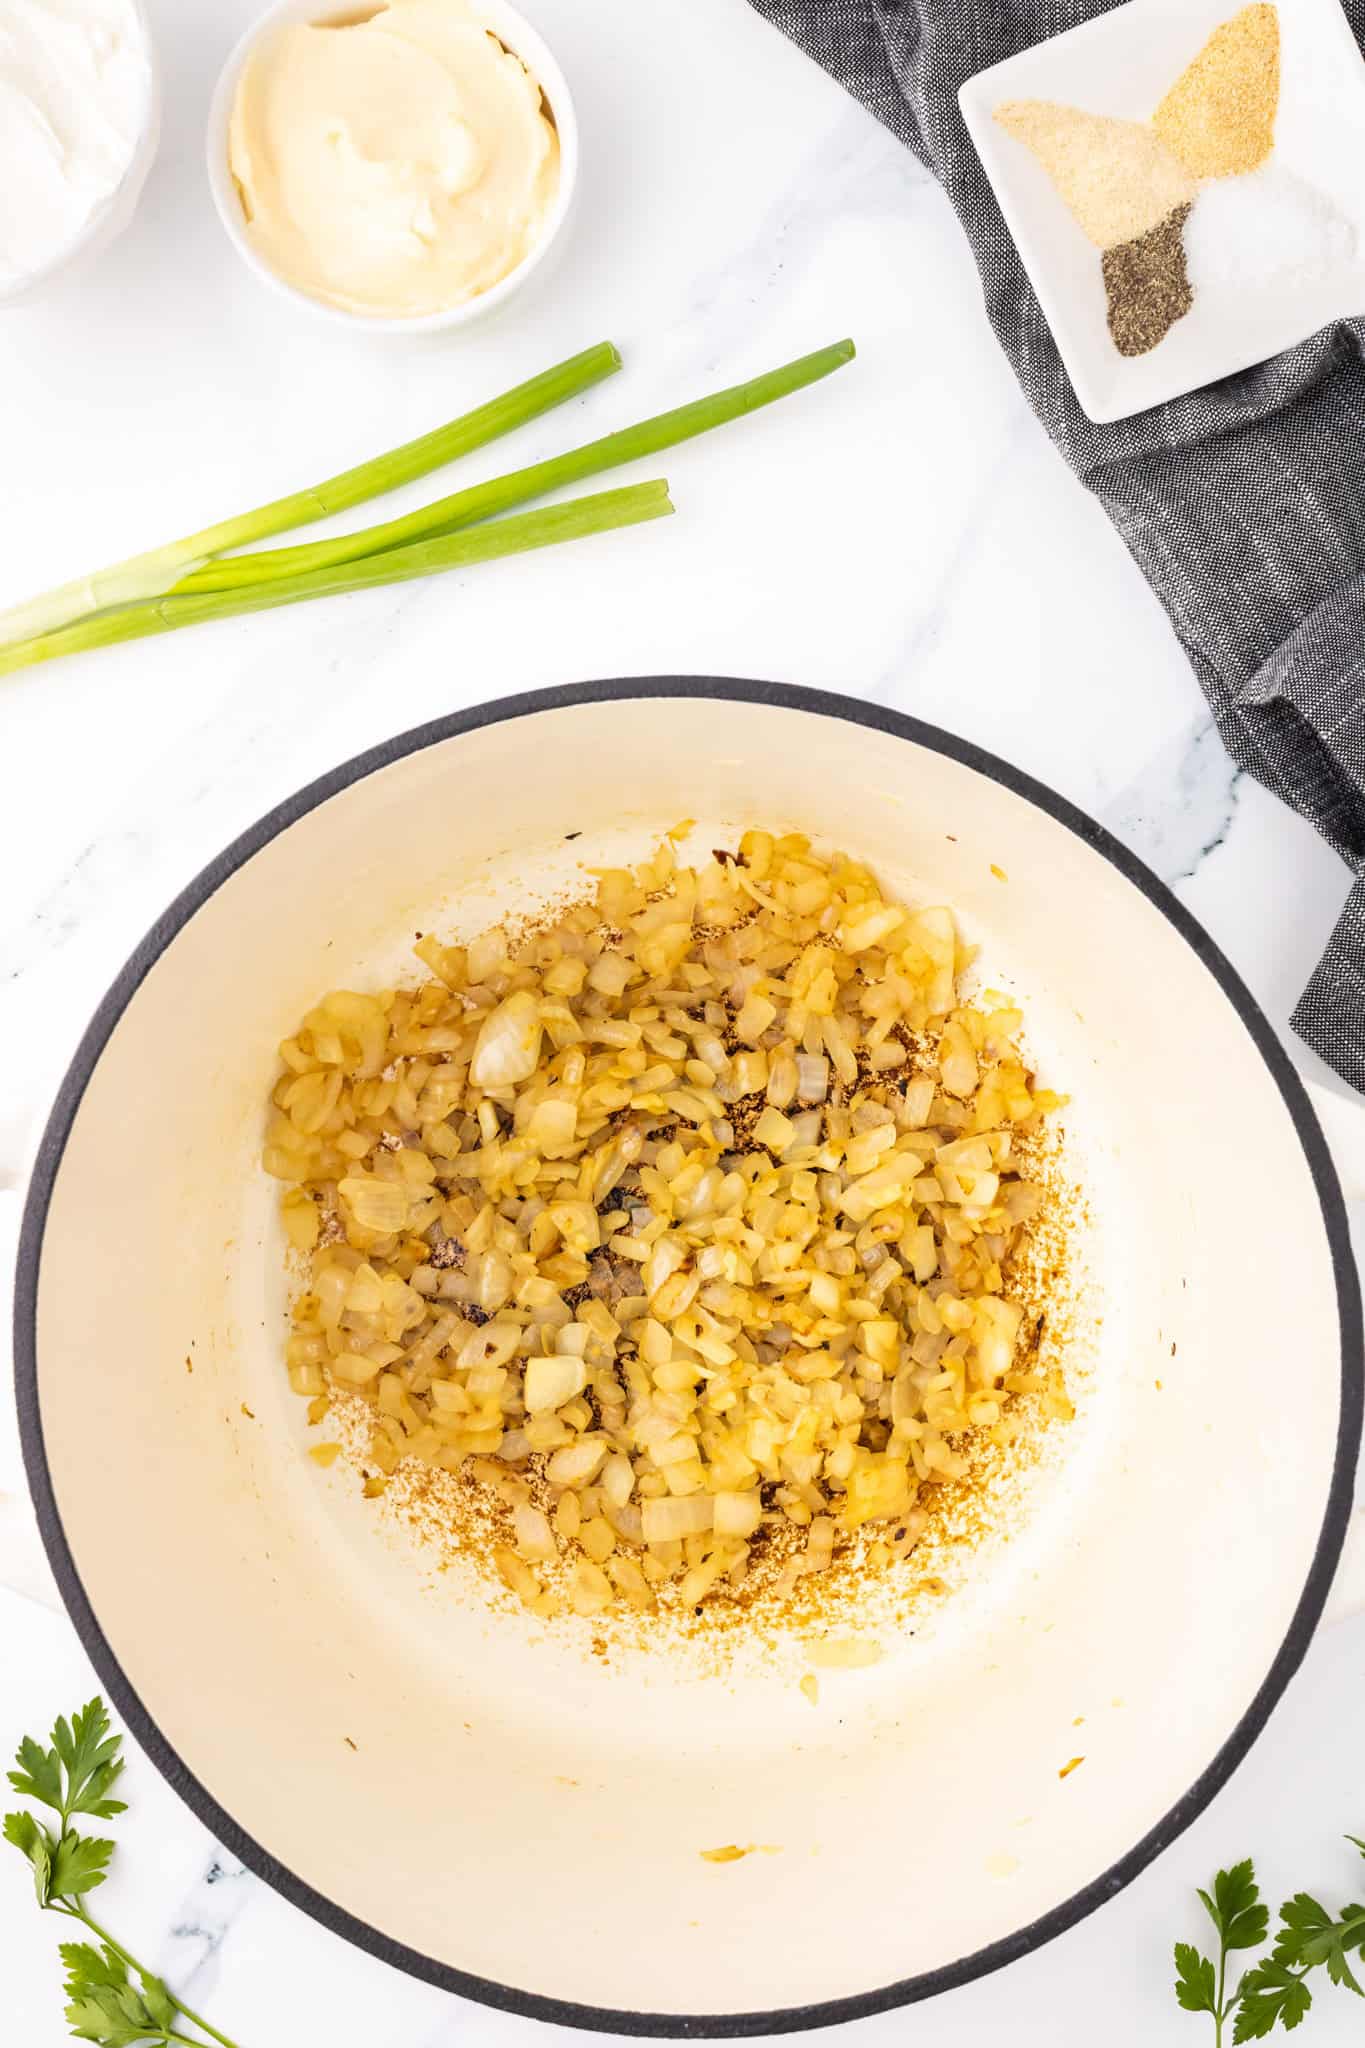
point(1147, 285)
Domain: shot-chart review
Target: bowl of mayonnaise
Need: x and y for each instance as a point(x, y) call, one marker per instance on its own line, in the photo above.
point(80, 114)
point(405, 165)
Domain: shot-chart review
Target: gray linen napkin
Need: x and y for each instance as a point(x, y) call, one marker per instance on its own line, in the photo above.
point(1243, 504)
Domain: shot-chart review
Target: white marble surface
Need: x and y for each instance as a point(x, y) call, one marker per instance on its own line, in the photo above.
point(905, 532)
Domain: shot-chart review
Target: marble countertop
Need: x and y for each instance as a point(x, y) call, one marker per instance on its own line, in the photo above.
point(906, 533)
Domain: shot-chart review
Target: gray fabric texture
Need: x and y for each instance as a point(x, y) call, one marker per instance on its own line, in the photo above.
point(1243, 504)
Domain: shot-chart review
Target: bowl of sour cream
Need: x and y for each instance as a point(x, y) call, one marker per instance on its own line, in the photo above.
point(80, 112)
point(408, 164)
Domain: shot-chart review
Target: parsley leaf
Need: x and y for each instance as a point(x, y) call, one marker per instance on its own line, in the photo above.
point(1339, 1971)
point(116, 2019)
point(1271, 1995)
point(89, 1965)
point(81, 1862)
point(1194, 1979)
point(39, 1775)
point(158, 2000)
point(90, 2019)
point(1235, 1908)
point(34, 1842)
point(62, 1869)
point(104, 2005)
point(91, 1756)
point(76, 1774)
point(23, 1831)
point(1302, 1924)
point(1308, 1935)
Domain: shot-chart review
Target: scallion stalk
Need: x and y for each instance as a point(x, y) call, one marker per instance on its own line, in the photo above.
point(151, 575)
point(483, 501)
point(576, 520)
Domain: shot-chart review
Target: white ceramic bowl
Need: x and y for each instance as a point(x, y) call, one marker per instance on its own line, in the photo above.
point(110, 219)
point(516, 33)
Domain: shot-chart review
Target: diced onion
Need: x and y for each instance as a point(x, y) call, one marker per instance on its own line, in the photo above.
point(354, 1368)
point(535, 1537)
point(550, 1382)
point(736, 1514)
point(812, 1077)
point(691, 1207)
point(508, 1044)
point(577, 1463)
point(669, 1520)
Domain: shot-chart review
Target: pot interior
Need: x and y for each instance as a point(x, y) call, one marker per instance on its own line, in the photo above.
point(485, 1790)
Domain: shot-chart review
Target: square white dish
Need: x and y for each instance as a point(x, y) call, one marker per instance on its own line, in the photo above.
point(1122, 64)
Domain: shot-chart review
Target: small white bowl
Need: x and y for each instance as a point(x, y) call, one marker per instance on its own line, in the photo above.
point(113, 216)
point(516, 34)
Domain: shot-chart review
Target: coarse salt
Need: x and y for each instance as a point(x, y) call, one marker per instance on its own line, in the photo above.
point(1267, 227)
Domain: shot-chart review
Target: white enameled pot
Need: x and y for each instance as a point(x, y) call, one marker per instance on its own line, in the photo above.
point(466, 1793)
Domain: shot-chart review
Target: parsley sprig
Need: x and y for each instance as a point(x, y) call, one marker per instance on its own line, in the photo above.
point(111, 1999)
point(1274, 1991)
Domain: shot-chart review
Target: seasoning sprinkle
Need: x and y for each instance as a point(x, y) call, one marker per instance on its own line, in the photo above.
point(1147, 285)
point(1269, 223)
point(1117, 177)
point(1132, 185)
point(1219, 116)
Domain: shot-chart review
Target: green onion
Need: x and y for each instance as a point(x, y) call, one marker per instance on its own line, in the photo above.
point(150, 575)
point(482, 501)
point(575, 520)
